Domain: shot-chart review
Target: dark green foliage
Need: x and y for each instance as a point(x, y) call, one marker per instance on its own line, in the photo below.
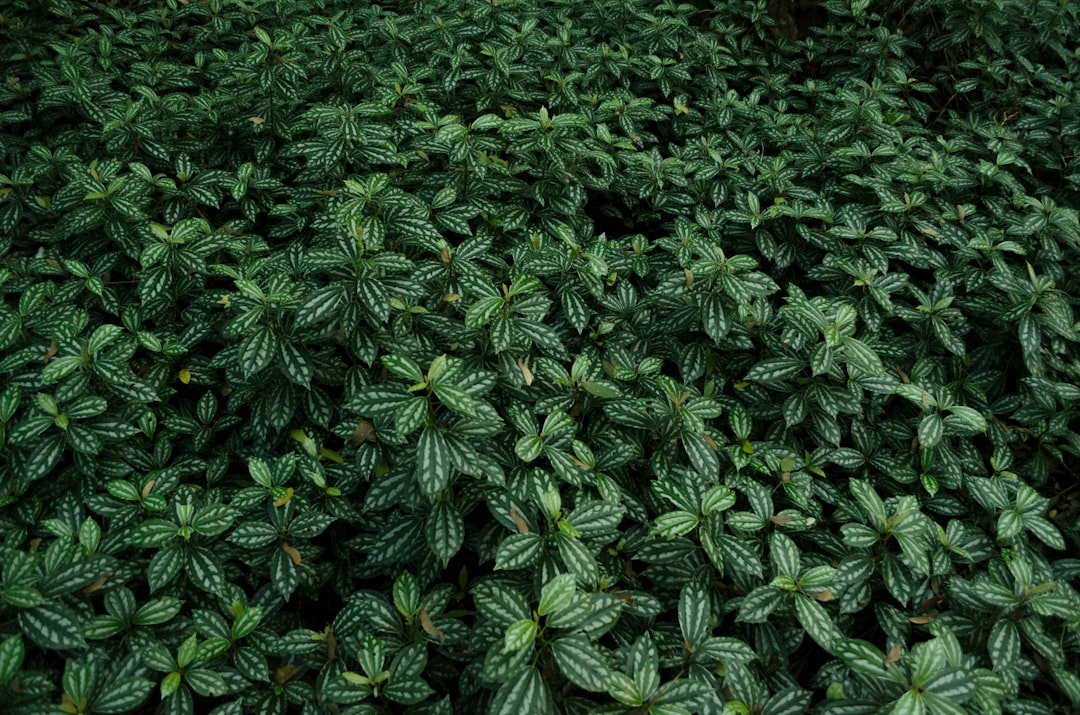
point(460, 356)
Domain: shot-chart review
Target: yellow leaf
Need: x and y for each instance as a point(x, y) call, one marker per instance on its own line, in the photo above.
point(97, 584)
point(293, 553)
point(525, 372)
point(364, 432)
point(331, 644)
point(429, 626)
point(331, 455)
point(285, 673)
point(185, 376)
point(282, 501)
point(578, 461)
point(893, 656)
point(522, 527)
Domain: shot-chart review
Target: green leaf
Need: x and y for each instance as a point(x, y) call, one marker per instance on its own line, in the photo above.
point(164, 566)
point(739, 557)
point(257, 350)
point(406, 594)
point(246, 622)
point(411, 415)
point(295, 364)
point(205, 682)
point(931, 430)
point(403, 366)
point(758, 605)
point(861, 356)
point(524, 694)
point(624, 689)
point(1045, 531)
point(52, 626)
point(728, 650)
point(520, 634)
point(372, 655)
point(123, 695)
point(213, 519)
point(862, 657)
point(9, 402)
point(694, 609)
point(500, 667)
point(676, 523)
point(818, 624)
point(418, 230)
point(446, 195)
point(432, 462)
point(499, 602)
point(283, 574)
point(789, 701)
point(1003, 645)
point(702, 455)
point(22, 596)
point(444, 529)
point(204, 570)
point(12, 652)
point(544, 336)
point(455, 398)
point(170, 684)
point(970, 418)
point(943, 706)
point(714, 319)
point(529, 447)
point(1009, 524)
point(821, 359)
point(740, 422)
point(775, 370)
point(955, 684)
point(579, 560)
point(581, 662)
point(869, 501)
point(557, 594)
point(156, 611)
point(785, 555)
point(482, 311)
point(408, 691)
point(518, 551)
point(1030, 334)
point(253, 535)
point(59, 368)
point(103, 336)
point(321, 305)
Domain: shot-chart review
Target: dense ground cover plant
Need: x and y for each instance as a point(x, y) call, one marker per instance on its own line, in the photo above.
point(529, 357)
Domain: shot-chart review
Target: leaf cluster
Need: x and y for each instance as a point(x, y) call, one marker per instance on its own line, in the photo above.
point(456, 356)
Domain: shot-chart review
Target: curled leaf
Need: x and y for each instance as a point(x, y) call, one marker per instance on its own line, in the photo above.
point(429, 626)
